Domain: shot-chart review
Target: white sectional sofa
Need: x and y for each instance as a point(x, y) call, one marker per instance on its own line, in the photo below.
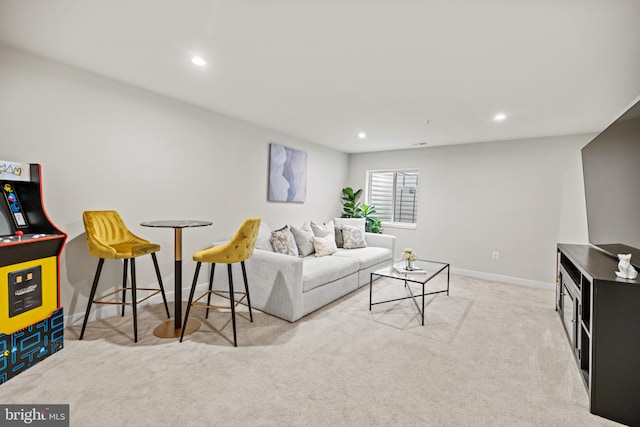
point(289, 287)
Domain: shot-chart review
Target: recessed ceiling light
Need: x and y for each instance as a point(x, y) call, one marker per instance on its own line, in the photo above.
point(362, 135)
point(198, 61)
point(500, 117)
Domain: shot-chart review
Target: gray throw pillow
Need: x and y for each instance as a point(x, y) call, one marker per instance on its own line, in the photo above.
point(338, 233)
point(326, 230)
point(264, 238)
point(304, 239)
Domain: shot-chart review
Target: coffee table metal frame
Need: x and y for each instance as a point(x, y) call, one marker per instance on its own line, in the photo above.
point(431, 269)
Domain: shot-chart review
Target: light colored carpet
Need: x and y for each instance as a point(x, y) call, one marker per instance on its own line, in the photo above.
point(489, 354)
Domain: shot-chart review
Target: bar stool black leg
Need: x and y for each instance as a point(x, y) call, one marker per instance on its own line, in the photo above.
point(233, 305)
point(246, 288)
point(193, 289)
point(164, 297)
point(124, 283)
point(92, 295)
point(134, 300)
point(213, 269)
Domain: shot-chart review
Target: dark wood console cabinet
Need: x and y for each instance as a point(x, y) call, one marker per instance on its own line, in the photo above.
point(601, 315)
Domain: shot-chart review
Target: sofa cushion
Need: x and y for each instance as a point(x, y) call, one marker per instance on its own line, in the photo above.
point(304, 239)
point(283, 242)
point(318, 271)
point(354, 222)
point(324, 246)
point(264, 238)
point(366, 257)
point(341, 222)
point(326, 230)
point(353, 237)
point(338, 235)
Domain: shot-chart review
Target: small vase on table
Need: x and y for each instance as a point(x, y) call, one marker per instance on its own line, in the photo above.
point(409, 258)
point(409, 265)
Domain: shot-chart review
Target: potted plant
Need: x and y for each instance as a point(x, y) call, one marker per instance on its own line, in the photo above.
point(351, 208)
point(371, 224)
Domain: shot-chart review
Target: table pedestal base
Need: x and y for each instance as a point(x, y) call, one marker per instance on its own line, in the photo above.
point(168, 330)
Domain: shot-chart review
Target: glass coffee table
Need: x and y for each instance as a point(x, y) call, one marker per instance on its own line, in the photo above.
point(423, 272)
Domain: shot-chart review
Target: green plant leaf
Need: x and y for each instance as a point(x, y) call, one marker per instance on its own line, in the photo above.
point(350, 203)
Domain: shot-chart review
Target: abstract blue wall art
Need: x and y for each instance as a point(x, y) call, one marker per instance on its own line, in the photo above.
point(287, 174)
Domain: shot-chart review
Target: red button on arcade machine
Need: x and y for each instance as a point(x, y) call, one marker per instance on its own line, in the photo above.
point(31, 319)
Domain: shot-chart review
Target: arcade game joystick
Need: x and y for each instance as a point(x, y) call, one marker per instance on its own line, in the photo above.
point(31, 319)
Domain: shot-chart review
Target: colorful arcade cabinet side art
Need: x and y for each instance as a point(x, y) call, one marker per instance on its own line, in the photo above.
point(31, 324)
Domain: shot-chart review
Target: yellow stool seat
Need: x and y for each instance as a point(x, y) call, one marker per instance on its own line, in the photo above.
point(238, 249)
point(132, 250)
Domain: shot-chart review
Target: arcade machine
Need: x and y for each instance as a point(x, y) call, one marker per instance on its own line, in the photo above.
point(31, 323)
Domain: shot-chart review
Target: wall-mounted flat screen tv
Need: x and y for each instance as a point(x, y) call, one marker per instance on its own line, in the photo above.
point(611, 167)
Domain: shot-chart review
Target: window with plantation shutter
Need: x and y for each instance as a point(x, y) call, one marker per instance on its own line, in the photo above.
point(394, 194)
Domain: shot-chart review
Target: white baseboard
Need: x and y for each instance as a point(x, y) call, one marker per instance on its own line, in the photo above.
point(503, 279)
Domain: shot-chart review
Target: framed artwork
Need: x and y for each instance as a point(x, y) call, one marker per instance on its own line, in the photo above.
point(287, 174)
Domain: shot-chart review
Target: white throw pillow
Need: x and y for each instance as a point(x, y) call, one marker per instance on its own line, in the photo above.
point(354, 222)
point(324, 245)
point(353, 237)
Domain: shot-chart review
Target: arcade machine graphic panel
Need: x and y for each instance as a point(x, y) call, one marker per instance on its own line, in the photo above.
point(31, 326)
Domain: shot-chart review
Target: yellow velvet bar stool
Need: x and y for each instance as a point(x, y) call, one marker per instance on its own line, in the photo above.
point(109, 238)
point(237, 250)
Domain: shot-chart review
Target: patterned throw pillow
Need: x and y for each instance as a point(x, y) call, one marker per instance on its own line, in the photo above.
point(353, 237)
point(341, 222)
point(324, 245)
point(304, 239)
point(283, 242)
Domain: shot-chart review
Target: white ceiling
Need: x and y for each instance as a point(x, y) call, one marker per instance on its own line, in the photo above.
point(403, 71)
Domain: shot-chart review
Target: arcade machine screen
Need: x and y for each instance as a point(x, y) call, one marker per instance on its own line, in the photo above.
point(5, 223)
point(13, 218)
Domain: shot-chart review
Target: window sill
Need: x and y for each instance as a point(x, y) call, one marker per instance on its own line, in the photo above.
point(406, 226)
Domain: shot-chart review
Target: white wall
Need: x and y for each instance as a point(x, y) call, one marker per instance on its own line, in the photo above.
point(106, 145)
point(517, 197)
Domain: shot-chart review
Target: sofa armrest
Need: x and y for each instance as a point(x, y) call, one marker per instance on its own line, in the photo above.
point(381, 240)
point(267, 263)
point(275, 283)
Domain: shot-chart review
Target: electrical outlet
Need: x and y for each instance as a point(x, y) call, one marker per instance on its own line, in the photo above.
point(495, 255)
